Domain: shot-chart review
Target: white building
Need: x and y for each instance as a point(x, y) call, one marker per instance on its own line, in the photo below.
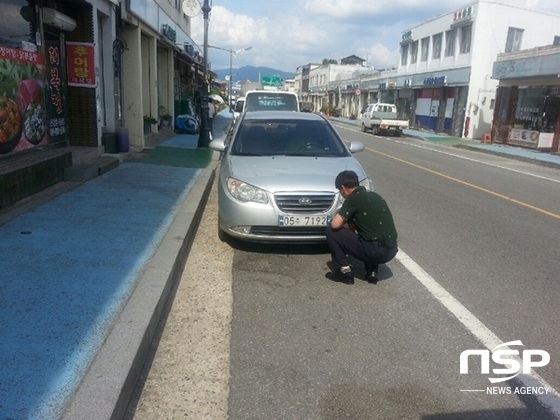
point(320, 77)
point(445, 71)
point(444, 77)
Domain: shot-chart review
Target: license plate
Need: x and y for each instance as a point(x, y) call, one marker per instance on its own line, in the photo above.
point(309, 220)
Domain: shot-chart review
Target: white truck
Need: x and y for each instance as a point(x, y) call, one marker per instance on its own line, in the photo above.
point(382, 118)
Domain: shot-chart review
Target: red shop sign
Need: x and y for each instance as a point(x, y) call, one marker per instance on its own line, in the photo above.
point(80, 64)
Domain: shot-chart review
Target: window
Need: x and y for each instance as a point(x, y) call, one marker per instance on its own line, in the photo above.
point(450, 42)
point(556, 40)
point(16, 28)
point(425, 49)
point(436, 46)
point(404, 55)
point(414, 52)
point(466, 33)
point(514, 37)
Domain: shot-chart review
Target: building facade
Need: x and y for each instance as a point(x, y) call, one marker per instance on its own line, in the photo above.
point(527, 111)
point(318, 79)
point(61, 70)
point(443, 81)
point(158, 56)
point(447, 62)
point(88, 73)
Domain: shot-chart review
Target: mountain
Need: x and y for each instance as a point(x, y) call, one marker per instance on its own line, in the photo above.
point(251, 73)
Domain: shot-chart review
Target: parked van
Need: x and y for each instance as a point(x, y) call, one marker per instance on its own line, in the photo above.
point(271, 100)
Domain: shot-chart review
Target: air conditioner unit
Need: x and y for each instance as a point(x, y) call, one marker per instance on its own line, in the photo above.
point(58, 20)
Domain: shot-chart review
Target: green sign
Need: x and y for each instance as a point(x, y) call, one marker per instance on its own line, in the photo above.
point(272, 81)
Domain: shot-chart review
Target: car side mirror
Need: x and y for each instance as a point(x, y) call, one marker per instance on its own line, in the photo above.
point(356, 146)
point(218, 145)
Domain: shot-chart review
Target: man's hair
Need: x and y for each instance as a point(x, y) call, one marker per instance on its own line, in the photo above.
point(348, 179)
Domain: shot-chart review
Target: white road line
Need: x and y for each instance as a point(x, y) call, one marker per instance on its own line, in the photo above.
point(478, 161)
point(551, 400)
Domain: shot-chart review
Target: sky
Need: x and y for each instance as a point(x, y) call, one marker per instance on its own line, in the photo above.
point(286, 34)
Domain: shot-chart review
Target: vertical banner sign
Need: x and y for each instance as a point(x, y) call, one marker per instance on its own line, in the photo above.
point(80, 64)
point(55, 97)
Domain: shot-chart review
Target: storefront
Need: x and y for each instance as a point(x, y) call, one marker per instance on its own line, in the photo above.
point(436, 101)
point(162, 76)
point(528, 99)
point(54, 67)
point(32, 81)
point(56, 88)
point(188, 79)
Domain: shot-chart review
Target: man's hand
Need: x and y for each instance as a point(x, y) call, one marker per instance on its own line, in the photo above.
point(338, 222)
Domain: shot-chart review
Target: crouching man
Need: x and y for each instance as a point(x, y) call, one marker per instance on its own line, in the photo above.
point(363, 228)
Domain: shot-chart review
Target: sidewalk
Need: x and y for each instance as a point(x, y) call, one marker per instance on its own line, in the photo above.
point(512, 152)
point(85, 277)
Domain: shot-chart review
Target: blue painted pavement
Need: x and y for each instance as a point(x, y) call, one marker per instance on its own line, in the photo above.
point(68, 267)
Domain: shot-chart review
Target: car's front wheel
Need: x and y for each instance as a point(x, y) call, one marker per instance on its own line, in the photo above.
point(224, 237)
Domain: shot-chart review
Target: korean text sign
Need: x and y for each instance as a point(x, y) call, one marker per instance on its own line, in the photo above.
point(80, 64)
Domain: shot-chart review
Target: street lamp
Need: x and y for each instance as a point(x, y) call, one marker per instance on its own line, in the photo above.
point(205, 137)
point(232, 53)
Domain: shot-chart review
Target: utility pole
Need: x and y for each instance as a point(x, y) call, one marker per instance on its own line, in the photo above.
point(232, 53)
point(205, 136)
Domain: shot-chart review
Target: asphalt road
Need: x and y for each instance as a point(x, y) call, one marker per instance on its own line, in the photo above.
point(477, 267)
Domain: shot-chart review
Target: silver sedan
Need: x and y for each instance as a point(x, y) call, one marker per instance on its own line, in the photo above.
point(276, 179)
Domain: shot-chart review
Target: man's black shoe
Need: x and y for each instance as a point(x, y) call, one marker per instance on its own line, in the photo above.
point(346, 278)
point(371, 277)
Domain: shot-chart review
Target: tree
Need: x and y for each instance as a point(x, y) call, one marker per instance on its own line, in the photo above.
point(327, 61)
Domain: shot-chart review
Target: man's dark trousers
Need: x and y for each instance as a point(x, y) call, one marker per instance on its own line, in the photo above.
point(344, 242)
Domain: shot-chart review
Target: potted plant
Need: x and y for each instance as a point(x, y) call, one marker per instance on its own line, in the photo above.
point(164, 117)
point(148, 121)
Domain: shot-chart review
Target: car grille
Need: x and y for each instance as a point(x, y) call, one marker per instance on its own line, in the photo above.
point(304, 203)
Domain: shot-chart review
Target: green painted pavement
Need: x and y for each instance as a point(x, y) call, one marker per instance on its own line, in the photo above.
point(173, 156)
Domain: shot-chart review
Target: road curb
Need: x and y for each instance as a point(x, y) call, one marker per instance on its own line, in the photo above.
point(107, 386)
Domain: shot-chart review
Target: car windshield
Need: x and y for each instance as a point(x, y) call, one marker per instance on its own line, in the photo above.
point(270, 101)
point(289, 138)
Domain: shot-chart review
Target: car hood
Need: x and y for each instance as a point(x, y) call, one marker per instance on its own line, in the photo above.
point(285, 173)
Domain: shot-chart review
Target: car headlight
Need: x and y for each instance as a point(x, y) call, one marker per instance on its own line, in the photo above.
point(246, 192)
point(367, 183)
